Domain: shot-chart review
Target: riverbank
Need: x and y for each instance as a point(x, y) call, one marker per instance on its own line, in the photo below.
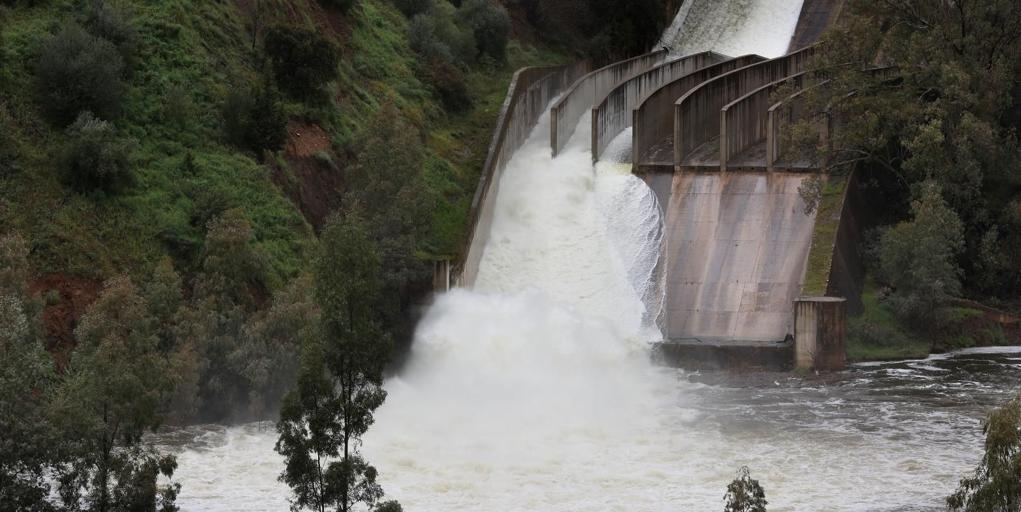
point(878, 335)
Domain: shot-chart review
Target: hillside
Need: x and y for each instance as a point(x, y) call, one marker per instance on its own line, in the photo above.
point(189, 56)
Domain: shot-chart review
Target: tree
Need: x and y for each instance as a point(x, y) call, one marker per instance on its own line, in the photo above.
point(226, 294)
point(269, 342)
point(943, 111)
point(340, 382)
point(106, 21)
point(254, 119)
point(919, 257)
point(996, 483)
point(745, 494)
point(303, 61)
point(412, 8)
point(387, 188)
point(490, 24)
point(95, 157)
point(114, 391)
point(78, 72)
point(436, 35)
point(26, 379)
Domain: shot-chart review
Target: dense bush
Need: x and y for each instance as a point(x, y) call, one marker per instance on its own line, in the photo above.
point(303, 61)
point(449, 82)
point(412, 8)
point(343, 5)
point(255, 119)
point(96, 157)
point(106, 21)
point(919, 257)
point(436, 36)
point(490, 25)
point(77, 71)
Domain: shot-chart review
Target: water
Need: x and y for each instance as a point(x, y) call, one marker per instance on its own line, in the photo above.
point(881, 437)
point(733, 27)
point(533, 392)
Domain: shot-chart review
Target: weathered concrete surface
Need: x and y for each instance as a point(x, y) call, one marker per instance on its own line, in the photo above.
point(735, 253)
point(696, 354)
point(816, 17)
point(820, 333)
point(530, 92)
point(697, 112)
point(847, 270)
point(614, 114)
point(744, 122)
point(589, 90)
point(653, 135)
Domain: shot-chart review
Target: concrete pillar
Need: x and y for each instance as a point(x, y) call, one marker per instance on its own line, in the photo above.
point(441, 275)
point(820, 331)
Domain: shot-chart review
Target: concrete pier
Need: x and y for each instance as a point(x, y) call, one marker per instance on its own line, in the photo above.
point(820, 332)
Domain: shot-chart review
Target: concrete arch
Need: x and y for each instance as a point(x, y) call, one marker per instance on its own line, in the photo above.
point(589, 90)
point(613, 114)
point(653, 126)
point(697, 113)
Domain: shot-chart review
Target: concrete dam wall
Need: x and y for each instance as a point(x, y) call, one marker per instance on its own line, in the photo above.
point(735, 253)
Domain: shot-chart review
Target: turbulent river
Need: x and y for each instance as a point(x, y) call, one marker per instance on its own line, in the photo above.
point(534, 391)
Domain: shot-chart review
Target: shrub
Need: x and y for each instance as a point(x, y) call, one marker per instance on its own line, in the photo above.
point(450, 85)
point(302, 60)
point(255, 119)
point(412, 8)
point(116, 26)
point(919, 257)
point(95, 157)
point(490, 25)
point(76, 72)
point(343, 5)
point(7, 144)
point(436, 36)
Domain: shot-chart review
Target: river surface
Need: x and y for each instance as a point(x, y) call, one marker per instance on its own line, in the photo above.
point(534, 391)
point(881, 437)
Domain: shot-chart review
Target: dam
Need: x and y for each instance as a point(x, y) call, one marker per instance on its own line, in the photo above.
point(704, 131)
point(529, 386)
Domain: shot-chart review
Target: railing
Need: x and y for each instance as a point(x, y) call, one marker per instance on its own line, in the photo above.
point(784, 113)
point(530, 92)
point(613, 114)
point(589, 90)
point(651, 122)
point(697, 113)
point(744, 122)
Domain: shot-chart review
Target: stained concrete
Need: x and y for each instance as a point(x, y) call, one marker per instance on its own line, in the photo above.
point(735, 253)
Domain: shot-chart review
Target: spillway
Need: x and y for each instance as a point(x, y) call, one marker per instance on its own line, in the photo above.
point(533, 390)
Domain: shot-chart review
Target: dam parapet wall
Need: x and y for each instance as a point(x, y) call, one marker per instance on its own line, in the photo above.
point(530, 92)
point(697, 114)
point(589, 90)
point(652, 124)
point(613, 114)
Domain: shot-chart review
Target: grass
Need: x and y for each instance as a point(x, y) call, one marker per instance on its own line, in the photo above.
point(879, 335)
point(827, 223)
point(191, 54)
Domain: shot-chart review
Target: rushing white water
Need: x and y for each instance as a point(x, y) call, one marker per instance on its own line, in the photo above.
point(533, 392)
point(733, 27)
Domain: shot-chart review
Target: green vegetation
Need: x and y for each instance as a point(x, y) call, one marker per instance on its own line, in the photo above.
point(995, 485)
point(303, 61)
point(340, 383)
point(745, 494)
point(828, 203)
point(95, 157)
point(934, 141)
point(878, 334)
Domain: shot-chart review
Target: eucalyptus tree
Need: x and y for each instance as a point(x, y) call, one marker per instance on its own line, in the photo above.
point(996, 484)
point(340, 382)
